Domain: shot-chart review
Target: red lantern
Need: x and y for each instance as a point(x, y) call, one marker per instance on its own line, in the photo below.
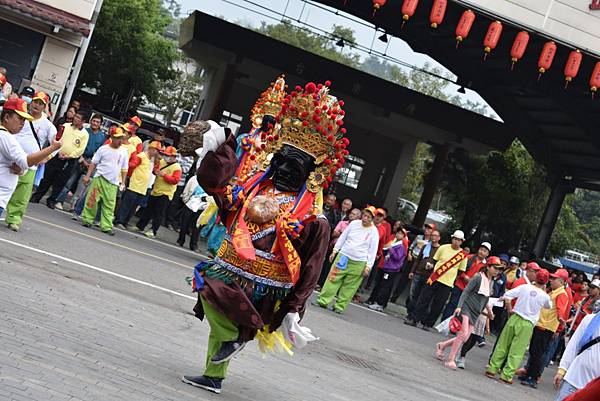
point(595, 79)
point(438, 10)
point(572, 66)
point(408, 10)
point(377, 4)
point(492, 36)
point(464, 26)
point(546, 58)
point(518, 48)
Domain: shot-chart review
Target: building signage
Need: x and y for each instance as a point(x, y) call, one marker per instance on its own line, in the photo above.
point(595, 5)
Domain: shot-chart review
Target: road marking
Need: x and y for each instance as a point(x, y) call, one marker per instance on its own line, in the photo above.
point(98, 269)
point(141, 236)
point(111, 243)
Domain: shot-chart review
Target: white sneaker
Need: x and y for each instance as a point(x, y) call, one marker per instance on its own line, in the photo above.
point(149, 234)
point(135, 229)
point(121, 226)
point(460, 363)
point(376, 307)
point(58, 206)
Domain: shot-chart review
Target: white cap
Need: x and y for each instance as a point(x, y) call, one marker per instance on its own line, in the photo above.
point(595, 283)
point(514, 259)
point(458, 234)
point(486, 245)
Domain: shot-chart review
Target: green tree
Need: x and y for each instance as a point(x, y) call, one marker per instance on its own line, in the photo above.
point(181, 91)
point(312, 42)
point(128, 51)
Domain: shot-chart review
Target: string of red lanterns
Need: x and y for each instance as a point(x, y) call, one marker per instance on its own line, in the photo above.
point(492, 38)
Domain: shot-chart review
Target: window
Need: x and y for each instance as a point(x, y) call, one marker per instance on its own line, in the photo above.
point(350, 172)
point(231, 121)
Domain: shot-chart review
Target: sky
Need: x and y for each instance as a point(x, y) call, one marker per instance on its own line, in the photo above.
point(253, 12)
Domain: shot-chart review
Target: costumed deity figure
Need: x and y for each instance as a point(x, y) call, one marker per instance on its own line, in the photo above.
point(270, 260)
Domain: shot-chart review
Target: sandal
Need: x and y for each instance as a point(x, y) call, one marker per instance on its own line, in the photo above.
point(490, 375)
point(439, 351)
point(450, 365)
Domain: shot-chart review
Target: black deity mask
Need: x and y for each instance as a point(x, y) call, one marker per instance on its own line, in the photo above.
point(290, 168)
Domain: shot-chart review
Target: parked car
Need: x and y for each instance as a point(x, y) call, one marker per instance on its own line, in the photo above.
point(406, 211)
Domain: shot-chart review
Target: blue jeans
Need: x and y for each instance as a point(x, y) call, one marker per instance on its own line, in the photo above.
point(551, 351)
point(1, 211)
point(416, 285)
point(452, 303)
point(565, 390)
point(72, 180)
point(80, 204)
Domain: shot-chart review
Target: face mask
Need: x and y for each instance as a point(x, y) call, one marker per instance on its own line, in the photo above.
point(291, 168)
point(27, 99)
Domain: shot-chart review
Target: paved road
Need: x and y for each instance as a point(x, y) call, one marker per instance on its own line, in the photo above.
point(92, 317)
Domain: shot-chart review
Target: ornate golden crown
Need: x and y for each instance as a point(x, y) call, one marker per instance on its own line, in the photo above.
point(311, 120)
point(269, 103)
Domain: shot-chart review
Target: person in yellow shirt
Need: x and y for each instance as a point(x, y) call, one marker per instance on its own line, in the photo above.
point(450, 259)
point(167, 177)
point(132, 126)
point(141, 166)
point(74, 139)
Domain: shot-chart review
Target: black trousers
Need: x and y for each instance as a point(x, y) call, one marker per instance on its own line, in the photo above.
point(56, 175)
point(468, 345)
point(187, 222)
point(540, 340)
point(402, 282)
point(431, 302)
point(129, 202)
point(382, 291)
point(176, 208)
point(155, 211)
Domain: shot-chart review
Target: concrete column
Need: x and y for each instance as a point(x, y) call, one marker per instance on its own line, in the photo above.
point(542, 238)
point(431, 183)
point(406, 155)
point(222, 92)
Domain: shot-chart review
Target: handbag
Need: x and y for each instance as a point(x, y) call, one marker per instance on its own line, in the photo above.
point(455, 324)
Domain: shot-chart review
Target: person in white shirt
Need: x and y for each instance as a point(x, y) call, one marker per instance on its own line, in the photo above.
point(352, 259)
point(579, 364)
point(33, 137)
point(110, 164)
point(13, 159)
point(195, 200)
point(515, 336)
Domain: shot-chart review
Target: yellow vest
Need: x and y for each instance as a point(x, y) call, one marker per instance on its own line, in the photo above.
point(135, 141)
point(73, 141)
point(138, 182)
point(160, 186)
point(549, 317)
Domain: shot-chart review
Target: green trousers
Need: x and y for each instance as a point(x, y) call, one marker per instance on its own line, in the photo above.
point(221, 330)
point(103, 193)
point(16, 207)
point(343, 283)
point(511, 346)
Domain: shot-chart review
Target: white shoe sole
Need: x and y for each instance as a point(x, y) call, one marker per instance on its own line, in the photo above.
point(207, 388)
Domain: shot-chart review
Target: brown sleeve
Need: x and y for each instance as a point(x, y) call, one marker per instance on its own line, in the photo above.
point(217, 168)
point(311, 247)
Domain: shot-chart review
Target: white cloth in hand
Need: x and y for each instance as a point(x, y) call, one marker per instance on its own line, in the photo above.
point(212, 139)
point(294, 333)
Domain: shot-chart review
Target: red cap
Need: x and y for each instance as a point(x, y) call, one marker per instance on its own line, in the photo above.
point(380, 211)
point(136, 120)
point(542, 276)
point(494, 261)
point(43, 96)
point(533, 266)
point(560, 273)
point(169, 151)
point(430, 225)
point(19, 106)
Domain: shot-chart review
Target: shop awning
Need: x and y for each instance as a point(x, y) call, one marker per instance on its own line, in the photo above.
point(49, 14)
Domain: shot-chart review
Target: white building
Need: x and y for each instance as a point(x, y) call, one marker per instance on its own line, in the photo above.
point(40, 41)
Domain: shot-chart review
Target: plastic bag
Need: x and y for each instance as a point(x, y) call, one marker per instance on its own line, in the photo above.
point(209, 212)
point(297, 335)
point(444, 327)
